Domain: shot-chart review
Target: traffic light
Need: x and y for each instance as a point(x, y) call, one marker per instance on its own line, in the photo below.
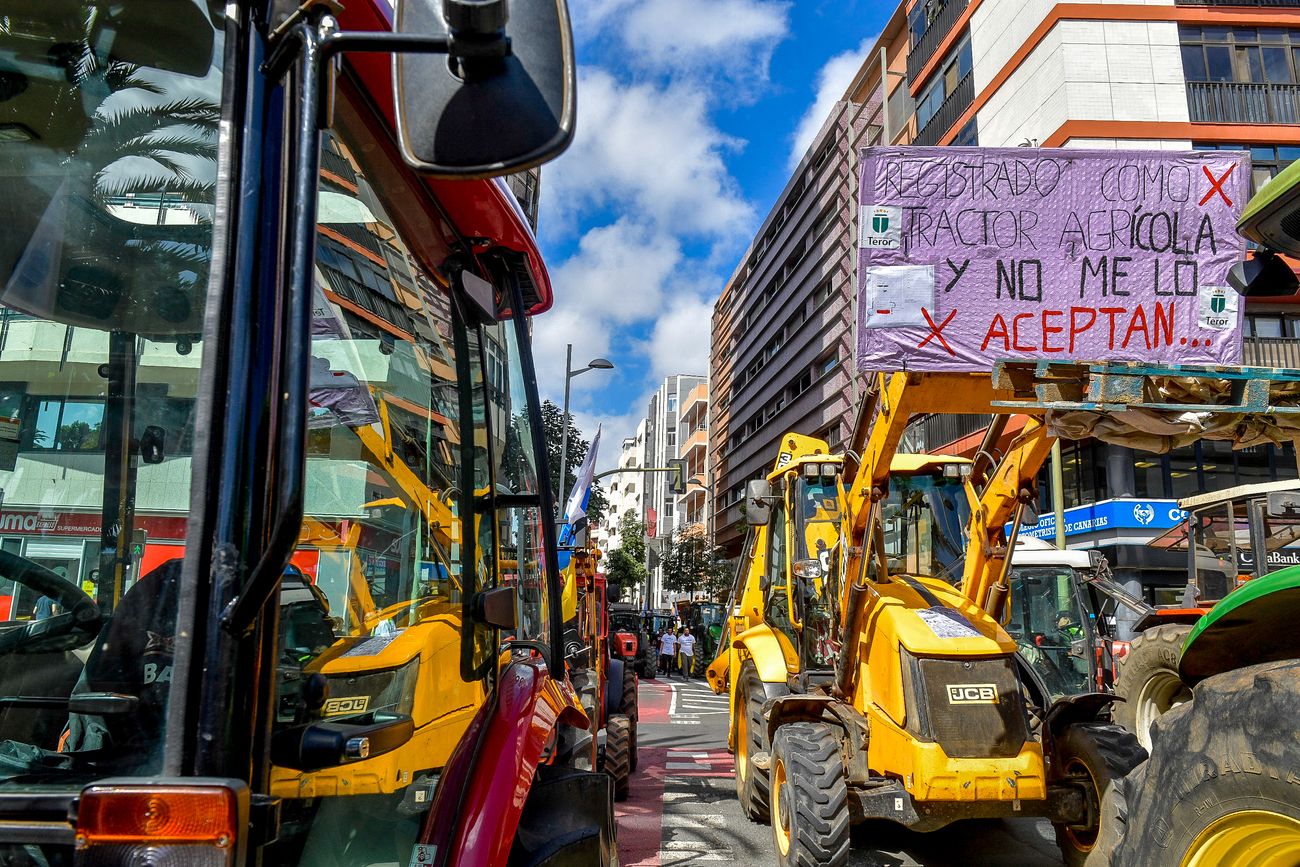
point(678, 467)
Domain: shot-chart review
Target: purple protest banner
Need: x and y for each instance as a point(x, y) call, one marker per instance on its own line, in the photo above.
point(967, 256)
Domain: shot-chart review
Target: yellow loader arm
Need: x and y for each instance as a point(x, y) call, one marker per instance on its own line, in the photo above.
point(439, 517)
point(892, 402)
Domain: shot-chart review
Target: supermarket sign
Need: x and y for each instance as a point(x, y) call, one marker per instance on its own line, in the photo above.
point(22, 523)
point(967, 256)
point(1120, 514)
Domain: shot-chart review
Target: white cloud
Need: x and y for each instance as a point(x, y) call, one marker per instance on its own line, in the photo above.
point(730, 39)
point(719, 40)
point(833, 79)
point(653, 153)
point(614, 429)
point(618, 276)
point(680, 340)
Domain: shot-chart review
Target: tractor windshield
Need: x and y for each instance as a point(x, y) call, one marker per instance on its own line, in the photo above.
point(421, 490)
point(109, 119)
point(1049, 626)
point(925, 523)
point(817, 539)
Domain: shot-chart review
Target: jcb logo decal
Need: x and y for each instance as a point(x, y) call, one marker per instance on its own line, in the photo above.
point(973, 693)
point(340, 706)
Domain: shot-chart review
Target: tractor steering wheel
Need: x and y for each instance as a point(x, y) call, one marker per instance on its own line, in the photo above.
point(77, 622)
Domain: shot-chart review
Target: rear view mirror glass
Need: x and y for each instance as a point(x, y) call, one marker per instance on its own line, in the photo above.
point(476, 116)
point(758, 506)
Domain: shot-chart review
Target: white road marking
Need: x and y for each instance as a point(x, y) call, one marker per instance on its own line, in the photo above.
point(686, 754)
point(705, 847)
point(667, 858)
point(685, 822)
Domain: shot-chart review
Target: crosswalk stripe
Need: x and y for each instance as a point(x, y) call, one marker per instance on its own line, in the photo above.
point(686, 822)
point(702, 846)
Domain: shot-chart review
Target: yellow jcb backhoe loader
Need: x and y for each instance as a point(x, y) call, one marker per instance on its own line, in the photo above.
point(382, 640)
point(929, 715)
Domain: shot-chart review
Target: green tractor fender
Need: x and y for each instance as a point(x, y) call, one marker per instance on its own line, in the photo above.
point(1255, 623)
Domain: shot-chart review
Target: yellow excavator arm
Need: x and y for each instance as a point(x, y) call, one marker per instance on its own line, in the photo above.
point(993, 495)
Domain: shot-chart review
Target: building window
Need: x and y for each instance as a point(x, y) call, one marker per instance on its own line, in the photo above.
point(672, 403)
point(968, 135)
point(1241, 54)
point(1266, 161)
point(954, 72)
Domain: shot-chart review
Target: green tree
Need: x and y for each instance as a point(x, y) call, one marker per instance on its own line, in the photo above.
point(625, 565)
point(78, 436)
point(553, 428)
point(691, 565)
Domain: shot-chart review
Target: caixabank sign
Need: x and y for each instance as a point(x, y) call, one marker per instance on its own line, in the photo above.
point(1119, 514)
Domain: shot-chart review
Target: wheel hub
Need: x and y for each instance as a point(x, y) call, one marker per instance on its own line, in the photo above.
point(1248, 838)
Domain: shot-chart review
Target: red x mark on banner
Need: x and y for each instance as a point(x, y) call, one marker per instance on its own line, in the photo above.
point(937, 330)
point(1217, 186)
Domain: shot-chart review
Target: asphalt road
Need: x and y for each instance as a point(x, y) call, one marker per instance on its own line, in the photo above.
point(683, 810)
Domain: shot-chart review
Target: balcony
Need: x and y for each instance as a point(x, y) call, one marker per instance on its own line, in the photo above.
point(952, 109)
point(1241, 102)
point(940, 27)
point(1271, 352)
point(699, 439)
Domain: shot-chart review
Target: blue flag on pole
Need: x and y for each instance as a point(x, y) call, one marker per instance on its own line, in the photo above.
point(575, 508)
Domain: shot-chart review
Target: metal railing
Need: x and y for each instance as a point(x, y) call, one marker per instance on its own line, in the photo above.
point(1271, 352)
point(940, 27)
point(956, 103)
point(1243, 102)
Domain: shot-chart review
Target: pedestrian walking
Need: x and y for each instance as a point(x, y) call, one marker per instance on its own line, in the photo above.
point(667, 651)
point(687, 644)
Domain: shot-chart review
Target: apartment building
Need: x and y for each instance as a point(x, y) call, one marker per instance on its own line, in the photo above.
point(623, 491)
point(782, 329)
point(664, 510)
point(1172, 75)
point(693, 447)
point(527, 187)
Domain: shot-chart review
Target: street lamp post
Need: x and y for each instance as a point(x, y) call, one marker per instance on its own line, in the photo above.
point(569, 374)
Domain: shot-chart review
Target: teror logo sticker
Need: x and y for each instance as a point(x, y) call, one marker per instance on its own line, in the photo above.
point(1218, 308)
point(973, 693)
point(880, 226)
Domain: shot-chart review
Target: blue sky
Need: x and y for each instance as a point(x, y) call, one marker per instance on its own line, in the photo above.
point(691, 114)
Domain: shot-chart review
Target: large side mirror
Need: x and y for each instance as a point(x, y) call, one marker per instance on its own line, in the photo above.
point(502, 99)
point(758, 505)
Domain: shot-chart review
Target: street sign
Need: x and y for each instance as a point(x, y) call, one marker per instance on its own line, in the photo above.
point(968, 256)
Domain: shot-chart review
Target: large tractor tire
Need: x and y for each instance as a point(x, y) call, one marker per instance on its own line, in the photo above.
point(1097, 755)
point(618, 756)
point(650, 665)
point(810, 799)
point(751, 781)
point(630, 706)
point(1148, 679)
point(1222, 786)
point(567, 819)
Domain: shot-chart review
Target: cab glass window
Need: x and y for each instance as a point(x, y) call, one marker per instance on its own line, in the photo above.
point(109, 133)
